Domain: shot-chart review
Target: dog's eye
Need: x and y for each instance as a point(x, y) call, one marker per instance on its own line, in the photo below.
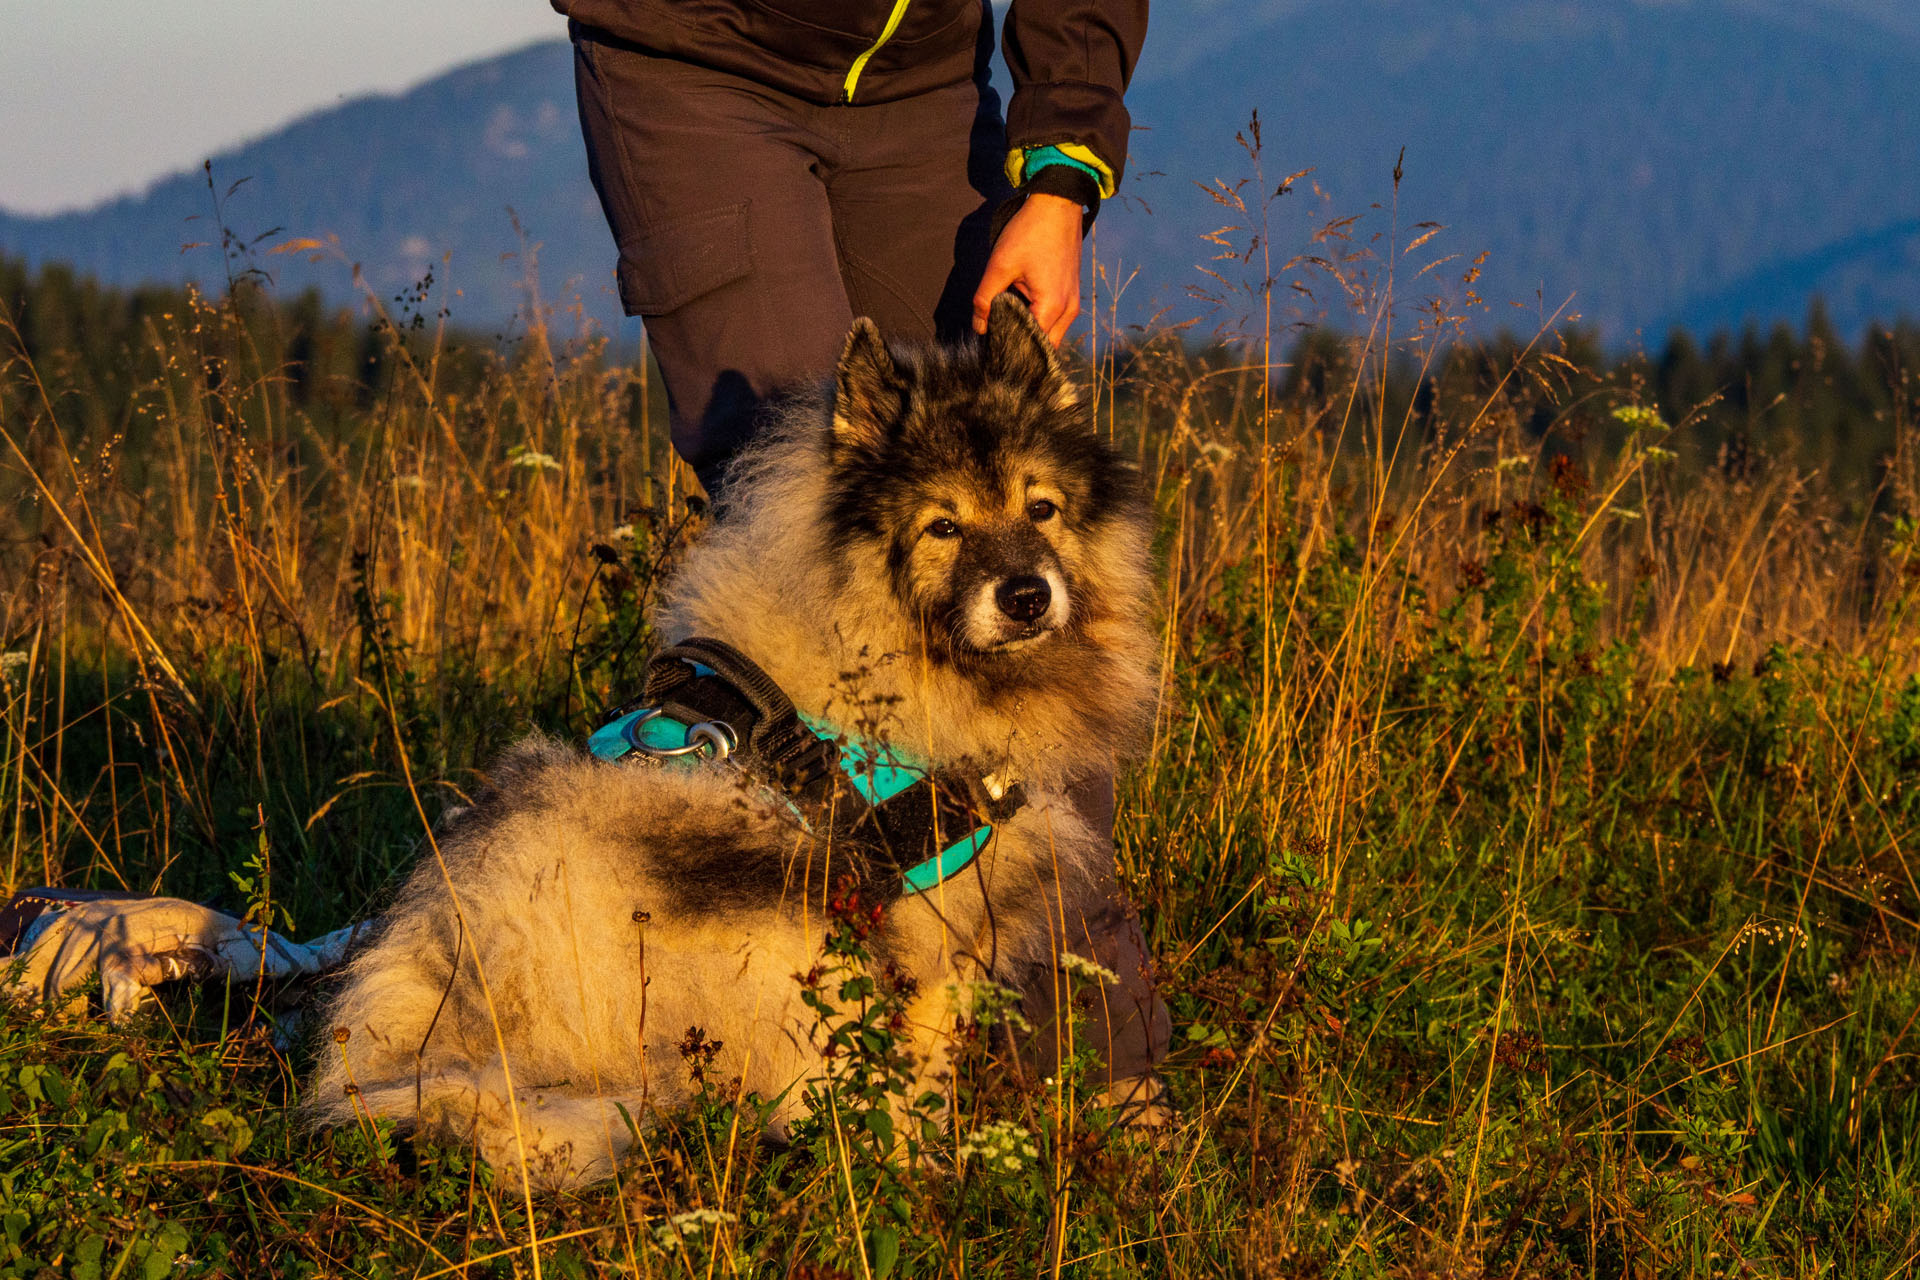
point(1040, 509)
point(943, 528)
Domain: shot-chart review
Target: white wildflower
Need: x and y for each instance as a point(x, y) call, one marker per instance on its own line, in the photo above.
point(13, 660)
point(1214, 451)
point(1001, 1147)
point(1081, 967)
point(534, 460)
point(621, 533)
point(1756, 932)
point(1625, 513)
point(691, 1223)
point(1513, 464)
point(410, 482)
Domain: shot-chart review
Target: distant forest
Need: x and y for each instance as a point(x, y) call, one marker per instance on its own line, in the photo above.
point(1802, 397)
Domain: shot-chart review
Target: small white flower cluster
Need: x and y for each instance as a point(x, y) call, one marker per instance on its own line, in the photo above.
point(987, 1003)
point(621, 533)
point(1003, 1146)
point(410, 482)
point(691, 1223)
point(13, 661)
point(1081, 967)
point(1757, 931)
point(533, 459)
point(1512, 464)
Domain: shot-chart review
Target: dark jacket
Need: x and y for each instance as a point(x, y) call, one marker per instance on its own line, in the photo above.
point(1070, 59)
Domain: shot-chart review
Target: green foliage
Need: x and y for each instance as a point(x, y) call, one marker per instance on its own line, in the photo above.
point(1516, 920)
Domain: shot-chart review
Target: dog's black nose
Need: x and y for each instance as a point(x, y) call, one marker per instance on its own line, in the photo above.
point(1024, 598)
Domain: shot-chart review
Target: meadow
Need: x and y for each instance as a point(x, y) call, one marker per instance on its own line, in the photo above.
point(1524, 836)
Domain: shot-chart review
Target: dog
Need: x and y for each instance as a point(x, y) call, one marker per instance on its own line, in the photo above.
point(936, 556)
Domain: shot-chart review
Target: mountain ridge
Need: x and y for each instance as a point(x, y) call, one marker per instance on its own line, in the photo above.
point(1702, 184)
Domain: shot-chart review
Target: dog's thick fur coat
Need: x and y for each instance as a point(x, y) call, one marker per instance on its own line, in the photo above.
point(564, 933)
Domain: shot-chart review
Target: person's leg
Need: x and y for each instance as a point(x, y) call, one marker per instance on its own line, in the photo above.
point(1126, 1020)
point(913, 194)
point(712, 186)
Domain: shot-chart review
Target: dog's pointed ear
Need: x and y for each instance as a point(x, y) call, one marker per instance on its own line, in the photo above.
point(868, 391)
point(1019, 352)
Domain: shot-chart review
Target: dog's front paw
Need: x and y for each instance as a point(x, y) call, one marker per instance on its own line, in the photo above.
point(563, 1142)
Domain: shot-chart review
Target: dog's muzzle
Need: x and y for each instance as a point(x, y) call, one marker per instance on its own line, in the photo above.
point(1025, 598)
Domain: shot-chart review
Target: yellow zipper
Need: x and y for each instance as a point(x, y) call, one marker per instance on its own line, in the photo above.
point(886, 34)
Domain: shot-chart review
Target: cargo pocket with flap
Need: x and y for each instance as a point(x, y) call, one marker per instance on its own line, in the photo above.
point(668, 266)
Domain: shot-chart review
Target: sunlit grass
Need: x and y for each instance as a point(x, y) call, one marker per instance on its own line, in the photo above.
point(1524, 836)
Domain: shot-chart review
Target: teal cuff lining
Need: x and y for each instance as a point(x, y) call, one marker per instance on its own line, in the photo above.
point(1039, 158)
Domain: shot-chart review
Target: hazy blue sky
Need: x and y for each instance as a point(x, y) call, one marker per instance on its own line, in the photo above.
point(98, 97)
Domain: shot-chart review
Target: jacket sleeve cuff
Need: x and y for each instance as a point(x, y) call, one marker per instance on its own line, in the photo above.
point(1066, 182)
point(1024, 163)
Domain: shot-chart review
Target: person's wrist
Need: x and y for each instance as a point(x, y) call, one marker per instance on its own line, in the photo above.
point(1056, 208)
point(1065, 183)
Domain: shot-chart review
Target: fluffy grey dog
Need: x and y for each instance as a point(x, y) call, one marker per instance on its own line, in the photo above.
point(944, 557)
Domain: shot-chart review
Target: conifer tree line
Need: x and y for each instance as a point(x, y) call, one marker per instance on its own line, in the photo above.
point(1806, 397)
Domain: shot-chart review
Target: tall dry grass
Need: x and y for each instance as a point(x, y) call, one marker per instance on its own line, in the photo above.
point(1427, 615)
point(238, 534)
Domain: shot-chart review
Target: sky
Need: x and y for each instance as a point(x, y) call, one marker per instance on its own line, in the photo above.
point(100, 97)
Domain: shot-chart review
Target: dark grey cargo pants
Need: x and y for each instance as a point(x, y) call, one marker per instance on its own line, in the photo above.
point(1126, 1022)
point(752, 228)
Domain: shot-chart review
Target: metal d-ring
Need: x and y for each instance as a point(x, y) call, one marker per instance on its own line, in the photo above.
point(716, 736)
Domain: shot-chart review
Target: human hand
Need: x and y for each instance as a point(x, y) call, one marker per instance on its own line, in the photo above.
point(1038, 255)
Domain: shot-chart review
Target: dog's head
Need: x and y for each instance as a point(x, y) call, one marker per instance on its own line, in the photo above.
point(972, 481)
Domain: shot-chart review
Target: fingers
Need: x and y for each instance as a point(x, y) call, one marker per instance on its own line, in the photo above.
point(999, 277)
point(1054, 306)
point(1057, 314)
point(1048, 313)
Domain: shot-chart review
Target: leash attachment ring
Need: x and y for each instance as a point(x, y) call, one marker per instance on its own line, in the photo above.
point(716, 737)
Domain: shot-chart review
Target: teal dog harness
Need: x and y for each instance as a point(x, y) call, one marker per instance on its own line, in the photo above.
point(703, 699)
